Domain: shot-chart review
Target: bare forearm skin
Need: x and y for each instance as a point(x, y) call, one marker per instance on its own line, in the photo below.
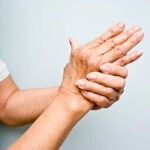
point(23, 106)
point(50, 130)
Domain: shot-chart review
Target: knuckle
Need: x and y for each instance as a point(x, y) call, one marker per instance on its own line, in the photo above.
point(100, 40)
point(121, 91)
point(127, 59)
point(121, 62)
point(117, 97)
point(112, 30)
point(119, 50)
point(133, 41)
point(101, 102)
point(97, 42)
point(110, 92)
point(121, 83)
point(92, 62)
point(125, 72)
point(129, 32)
point(111, 43)
point(108, 104)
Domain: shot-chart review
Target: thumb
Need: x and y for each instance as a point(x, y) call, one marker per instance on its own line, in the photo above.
point(74, 43)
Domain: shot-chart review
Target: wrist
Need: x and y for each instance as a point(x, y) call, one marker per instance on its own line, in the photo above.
point(74, 103)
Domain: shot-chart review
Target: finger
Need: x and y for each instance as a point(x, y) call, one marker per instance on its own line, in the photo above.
point(99, 100)
point(121, 91)
point(86, 85)
point(129, 58)
point(107, 105)
point(122, 50)
point(111, 32)
point(74, 43)
point(113, 69)
point(111, 81)
point(117, 40)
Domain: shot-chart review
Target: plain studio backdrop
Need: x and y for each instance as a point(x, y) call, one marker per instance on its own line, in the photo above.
point(34, 43)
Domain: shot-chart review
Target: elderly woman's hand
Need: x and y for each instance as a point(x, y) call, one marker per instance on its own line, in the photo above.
point(100, 88)
point(105, 88)
point(108, 48)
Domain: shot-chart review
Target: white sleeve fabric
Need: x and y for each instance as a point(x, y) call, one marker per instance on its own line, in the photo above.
point(4, 72)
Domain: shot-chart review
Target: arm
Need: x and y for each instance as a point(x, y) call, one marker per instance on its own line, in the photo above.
point(14, 103)
point(31, 103)
point(18, 107)
point(52, 127)
point(11, 96)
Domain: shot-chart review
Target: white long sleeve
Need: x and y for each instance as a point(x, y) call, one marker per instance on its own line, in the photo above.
point(4, 72)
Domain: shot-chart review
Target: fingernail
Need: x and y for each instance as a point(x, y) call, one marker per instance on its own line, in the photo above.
point(121, 24)
point(140, 33)
point(136, 28)
point(139, 53)
point(80, 83)
point(104, 67)
point(91, 76)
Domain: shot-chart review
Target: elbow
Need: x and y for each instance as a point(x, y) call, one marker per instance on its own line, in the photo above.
point(6, 118)
point(6, 114)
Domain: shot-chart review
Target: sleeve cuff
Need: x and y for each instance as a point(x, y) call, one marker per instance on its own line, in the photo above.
point(4, 72)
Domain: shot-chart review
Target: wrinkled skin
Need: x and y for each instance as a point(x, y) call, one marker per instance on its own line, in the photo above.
point(108, 48)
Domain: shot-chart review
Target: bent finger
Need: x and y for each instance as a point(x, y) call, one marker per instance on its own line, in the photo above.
point(86, 85)
point(107, 105)
point(99, 100)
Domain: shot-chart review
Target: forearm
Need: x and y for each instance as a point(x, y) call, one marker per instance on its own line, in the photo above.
point(50, 130)
point(24, 106)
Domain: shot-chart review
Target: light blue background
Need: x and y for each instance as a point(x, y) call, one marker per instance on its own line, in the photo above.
point(34, 43)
